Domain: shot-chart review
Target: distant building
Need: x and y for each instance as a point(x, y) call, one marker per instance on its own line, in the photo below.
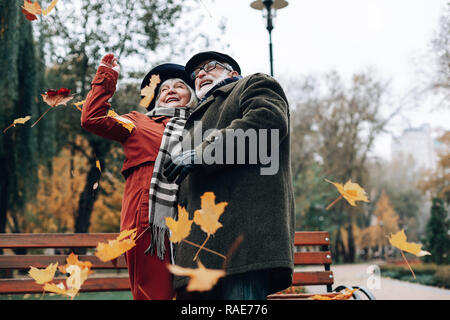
point(416, 146)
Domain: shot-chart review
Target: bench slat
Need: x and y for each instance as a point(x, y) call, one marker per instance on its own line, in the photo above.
point(16, 286)
point(42, 261)
point(49, 240)
point(312, 238)
point(312, 258)
point(313, 278)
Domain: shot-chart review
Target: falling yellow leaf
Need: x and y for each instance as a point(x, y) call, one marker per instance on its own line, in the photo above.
point(114, 248)
point(351, 192)
point(128, 124)
point(79, 104)
point(347, 294)
point(149, 91)
point(179, 229)
point(208, 216)
point(72, 259)
point(97, 164)
point(42, 276)
point(398, 240)
point(202, 279)
point(60, 288)
point(18, 121)
point(49, 8)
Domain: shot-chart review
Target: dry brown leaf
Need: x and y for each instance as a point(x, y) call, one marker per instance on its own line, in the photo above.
point(179, 229)
point(202, 279)
point(18, 121)
point(42, 276)
point(149, 91)
point(115, 248)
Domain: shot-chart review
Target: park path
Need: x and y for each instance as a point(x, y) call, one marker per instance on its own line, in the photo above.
point(382, 288)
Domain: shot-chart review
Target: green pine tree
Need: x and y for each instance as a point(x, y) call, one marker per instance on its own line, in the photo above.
point(437, 240)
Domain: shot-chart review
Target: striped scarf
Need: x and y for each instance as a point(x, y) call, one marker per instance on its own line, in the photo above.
point(163, 194)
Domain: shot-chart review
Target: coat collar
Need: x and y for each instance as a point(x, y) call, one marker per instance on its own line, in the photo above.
point(223, 89)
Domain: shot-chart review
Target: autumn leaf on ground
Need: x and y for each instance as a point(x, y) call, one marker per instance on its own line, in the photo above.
point(49, 8)
point(30, 9)
point(351, 192)
point(61, 289)
point(42, 276)
point(55, 98)
point(149, 91)
point(202, 279)
point(18, 121)
point(115, 248)
point(347, 294)
point(179, 229)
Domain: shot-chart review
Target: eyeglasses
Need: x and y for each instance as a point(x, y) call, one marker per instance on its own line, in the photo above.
point(208, 67)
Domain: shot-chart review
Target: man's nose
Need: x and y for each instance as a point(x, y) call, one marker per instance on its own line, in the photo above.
point(201, 73)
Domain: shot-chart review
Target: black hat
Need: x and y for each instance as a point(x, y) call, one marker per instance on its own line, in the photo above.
point(166, 71)
point(207, 55)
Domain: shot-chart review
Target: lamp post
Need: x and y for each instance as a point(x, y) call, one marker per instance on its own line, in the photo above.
point(267, 6)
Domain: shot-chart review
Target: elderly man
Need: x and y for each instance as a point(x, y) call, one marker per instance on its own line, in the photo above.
point(248, 114)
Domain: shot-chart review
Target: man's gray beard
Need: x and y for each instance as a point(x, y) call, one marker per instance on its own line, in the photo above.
point(201, 93)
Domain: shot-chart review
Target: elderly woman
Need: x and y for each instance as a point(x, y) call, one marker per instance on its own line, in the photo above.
point(148, 198)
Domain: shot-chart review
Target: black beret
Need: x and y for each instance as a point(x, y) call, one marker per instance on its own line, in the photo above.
point(166, 71)
point(210, 55)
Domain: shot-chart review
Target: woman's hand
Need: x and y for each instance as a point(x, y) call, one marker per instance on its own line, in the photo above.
point(111, 62)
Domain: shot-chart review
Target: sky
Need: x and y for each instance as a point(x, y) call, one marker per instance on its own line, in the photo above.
point(349, 36)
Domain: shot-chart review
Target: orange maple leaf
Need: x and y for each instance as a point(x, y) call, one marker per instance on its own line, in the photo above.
point(208, 216)
point(179, 229)
point(149, 91)
point(42, 276)
point(30, 9)
point(60, 288)
point(202, 279)
point(115, 248)
point(72, 259)
point(347, 294)
point(351, 192)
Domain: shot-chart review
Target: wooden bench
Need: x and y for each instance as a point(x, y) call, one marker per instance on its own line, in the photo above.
point(96, 282)
point(313, 249)
point(120, 282)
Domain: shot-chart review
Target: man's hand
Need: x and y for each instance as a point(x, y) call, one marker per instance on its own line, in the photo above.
point(111, 62)
point(180, 166)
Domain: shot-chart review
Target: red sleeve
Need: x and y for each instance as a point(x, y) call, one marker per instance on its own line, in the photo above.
point(96, 107)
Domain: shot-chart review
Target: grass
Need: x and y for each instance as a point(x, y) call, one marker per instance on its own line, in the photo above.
point(111, 295)
point(426, 273)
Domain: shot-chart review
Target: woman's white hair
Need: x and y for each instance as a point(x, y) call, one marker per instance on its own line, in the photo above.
point(192, 102)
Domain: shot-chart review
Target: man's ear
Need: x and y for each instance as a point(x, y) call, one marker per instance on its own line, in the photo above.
point(234, 73)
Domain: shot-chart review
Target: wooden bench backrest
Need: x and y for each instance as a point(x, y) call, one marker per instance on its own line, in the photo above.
point(120, 282)
point(113, 282)
point(321, 257)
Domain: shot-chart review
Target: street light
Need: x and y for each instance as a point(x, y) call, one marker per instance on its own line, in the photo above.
point(267, 6)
